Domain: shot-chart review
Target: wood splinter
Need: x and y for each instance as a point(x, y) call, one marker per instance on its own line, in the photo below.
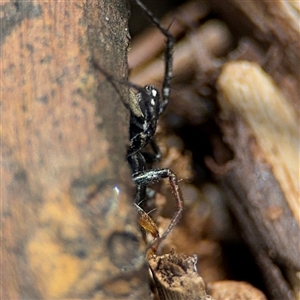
point(176, 277)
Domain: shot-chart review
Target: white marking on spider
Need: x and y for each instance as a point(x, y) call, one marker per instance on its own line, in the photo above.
point(154, 93)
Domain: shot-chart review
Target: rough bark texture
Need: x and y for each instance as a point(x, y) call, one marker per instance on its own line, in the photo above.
point(69, 228)
point(176, 277)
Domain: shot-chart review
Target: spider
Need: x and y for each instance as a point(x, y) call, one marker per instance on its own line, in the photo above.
point(146, 108)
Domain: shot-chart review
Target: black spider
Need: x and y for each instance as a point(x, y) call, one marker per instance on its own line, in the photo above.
point(146, 108)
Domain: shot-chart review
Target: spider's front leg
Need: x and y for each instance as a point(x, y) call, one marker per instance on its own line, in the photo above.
point(146, 177)
point(138, 165)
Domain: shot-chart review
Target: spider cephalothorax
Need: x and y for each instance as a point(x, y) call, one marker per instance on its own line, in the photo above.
point(143, 124)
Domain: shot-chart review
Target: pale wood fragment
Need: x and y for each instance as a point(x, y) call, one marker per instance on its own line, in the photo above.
point(246, 90)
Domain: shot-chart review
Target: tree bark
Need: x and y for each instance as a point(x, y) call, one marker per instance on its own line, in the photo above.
point(69, 228)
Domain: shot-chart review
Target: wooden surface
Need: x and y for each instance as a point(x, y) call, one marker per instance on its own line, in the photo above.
point(69, 228)
point(232, 290)
point(261, 128)
point(259, 120)
point(176, 277)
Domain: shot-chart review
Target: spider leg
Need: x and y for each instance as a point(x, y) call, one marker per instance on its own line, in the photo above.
point(155, 156)
point(151, 176)
point(168, 55)
point(138, 165)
